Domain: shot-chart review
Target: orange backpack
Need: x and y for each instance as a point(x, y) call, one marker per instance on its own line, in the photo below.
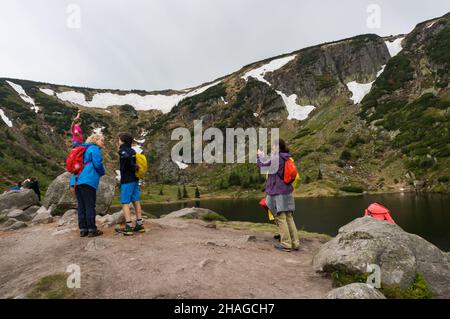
point(290, 172)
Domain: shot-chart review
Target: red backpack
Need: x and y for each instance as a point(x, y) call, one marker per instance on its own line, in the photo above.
point(290, 171)
point(378, 211)
point(75, 160)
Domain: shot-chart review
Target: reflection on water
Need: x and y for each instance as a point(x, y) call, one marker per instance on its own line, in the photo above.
point(425, 215)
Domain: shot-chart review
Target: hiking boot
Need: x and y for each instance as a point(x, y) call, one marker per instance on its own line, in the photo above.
point(95, 233)
point(127, 230)
point(139, 228)
point(83, 233)
point(282, 248)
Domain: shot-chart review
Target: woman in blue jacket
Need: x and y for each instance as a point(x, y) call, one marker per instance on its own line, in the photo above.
point(87, 184)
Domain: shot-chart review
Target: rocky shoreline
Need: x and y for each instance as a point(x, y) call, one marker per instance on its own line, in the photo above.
point(366, 253)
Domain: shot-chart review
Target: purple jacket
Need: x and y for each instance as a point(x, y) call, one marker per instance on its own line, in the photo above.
point(275, 184)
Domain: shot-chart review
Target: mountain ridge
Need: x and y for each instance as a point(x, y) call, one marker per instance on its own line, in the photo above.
point(318, 76)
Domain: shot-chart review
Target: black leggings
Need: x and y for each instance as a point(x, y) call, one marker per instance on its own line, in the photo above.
point(86, 197)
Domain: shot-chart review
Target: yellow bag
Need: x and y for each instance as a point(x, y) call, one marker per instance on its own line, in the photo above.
point(296, 182)
point(141, 162)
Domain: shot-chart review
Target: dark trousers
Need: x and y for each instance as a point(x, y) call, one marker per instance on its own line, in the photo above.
point(86, 197)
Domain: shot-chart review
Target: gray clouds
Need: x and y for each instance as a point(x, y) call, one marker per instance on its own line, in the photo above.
point(161, 44)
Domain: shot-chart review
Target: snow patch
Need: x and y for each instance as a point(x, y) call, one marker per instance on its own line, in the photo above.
point(200, 90)
point(394, 47)
point(161, 102)
point(47, 91)
point(272, 66)
point(296, 112)
point(181, 165)
point(223, 100)
point(431, 24)
point(5, 118)
point(360, 90)
point(23, 95)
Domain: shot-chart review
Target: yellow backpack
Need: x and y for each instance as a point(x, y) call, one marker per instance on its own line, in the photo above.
point(141, 162)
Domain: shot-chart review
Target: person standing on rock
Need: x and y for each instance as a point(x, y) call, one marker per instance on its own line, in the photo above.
point(129, 185)
point(279, 197)
point(32, 183)
point(86, 185)
point(77, 132)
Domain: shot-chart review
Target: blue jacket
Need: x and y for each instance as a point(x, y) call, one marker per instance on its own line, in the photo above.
point(94, 170)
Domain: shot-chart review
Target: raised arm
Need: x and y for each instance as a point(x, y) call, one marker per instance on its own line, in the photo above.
point(263, 162)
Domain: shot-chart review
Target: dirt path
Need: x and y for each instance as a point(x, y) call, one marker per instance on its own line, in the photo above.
point(175, 258)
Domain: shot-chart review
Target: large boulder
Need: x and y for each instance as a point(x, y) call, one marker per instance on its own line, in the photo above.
point(355, 291)
point(17, 225)
point(59, 194)
point(114, 219)
point(400, 255)
point(190, 213)
point(18, 199)
point(32, 211)
point(69, 217)
point(19, 215)
point(43, 216)
point(9, 222)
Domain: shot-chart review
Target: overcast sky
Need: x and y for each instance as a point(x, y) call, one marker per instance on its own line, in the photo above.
point(162, 44)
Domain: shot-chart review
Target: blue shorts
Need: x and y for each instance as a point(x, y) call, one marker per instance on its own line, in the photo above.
point(129, 192)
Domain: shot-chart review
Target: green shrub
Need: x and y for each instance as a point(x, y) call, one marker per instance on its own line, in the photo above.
point(309, 56)
point(303, 132)
point(352, 189)
point(363, 40)
point(355, 140)
point(213, 216)
point(419, 289)
point(341, 278)
point(345, 155)
point(443, 179)
point(325, 81)
point(439, 48)
point(52, 287)
point(307, 179)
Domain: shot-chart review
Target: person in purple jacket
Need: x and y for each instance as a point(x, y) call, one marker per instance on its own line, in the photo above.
point(279, 197)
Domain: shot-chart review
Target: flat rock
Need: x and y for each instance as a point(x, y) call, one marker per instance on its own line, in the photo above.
point(17, 225)
point(193, 213)
point(355, 291)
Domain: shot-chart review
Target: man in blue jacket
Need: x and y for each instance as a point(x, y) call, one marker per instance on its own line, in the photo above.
point(86, 185)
